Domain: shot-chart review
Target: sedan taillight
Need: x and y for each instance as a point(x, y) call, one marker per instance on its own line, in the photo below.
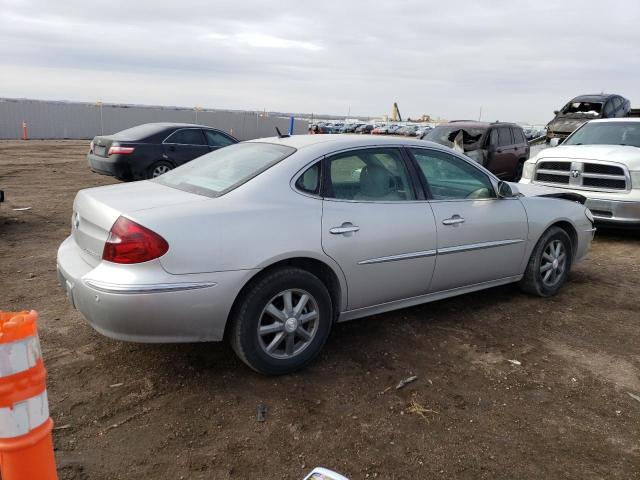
point(130, 242)
point(117, 150)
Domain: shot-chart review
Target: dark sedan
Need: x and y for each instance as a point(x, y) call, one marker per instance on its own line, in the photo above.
point(151, 149)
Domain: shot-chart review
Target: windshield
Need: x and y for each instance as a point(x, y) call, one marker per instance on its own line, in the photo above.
point(445, 135)
point(583, 108)
point(219, 172)
point(606, 133)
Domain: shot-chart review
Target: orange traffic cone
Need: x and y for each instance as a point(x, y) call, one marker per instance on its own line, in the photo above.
point(26, 448)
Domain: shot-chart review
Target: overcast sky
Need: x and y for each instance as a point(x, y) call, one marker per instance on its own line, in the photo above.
point(519, 60)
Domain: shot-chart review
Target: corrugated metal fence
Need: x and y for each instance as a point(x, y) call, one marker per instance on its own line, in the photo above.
point(59, 120)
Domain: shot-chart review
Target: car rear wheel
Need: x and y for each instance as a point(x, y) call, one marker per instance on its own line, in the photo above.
point(159, 168)
point(282, 322)
point(518, 173)
point(549, 265)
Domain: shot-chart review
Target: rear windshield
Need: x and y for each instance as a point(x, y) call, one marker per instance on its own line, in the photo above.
point(445, 135)
point(606, 133)
point(583, 108)
point(221, 171)
point(139, 132)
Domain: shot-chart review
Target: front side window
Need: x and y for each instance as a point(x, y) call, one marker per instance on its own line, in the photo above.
point(376, 174)
point(222, 170)
point(187, 136)
point(451, 178)
point(217, 139)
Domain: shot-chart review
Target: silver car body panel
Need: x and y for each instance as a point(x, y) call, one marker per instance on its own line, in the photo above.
point(402, 253)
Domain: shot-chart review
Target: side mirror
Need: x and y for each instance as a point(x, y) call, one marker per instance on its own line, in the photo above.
point(504, 190)
point(554, 142)
point(555, 112)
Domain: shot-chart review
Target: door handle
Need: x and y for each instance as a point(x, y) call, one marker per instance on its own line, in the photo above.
point(454, 220)
point(345, 229)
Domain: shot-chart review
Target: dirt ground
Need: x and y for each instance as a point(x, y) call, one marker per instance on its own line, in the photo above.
point(127, 411)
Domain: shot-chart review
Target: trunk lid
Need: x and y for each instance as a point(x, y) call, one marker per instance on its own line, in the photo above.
point(96, 209)
point(101, 146)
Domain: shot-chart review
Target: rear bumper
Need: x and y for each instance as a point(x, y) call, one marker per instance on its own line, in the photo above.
point(614, 212)
point(114, 166)
point(144, 303)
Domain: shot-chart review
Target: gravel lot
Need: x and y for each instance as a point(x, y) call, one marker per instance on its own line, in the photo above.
point(127, 411)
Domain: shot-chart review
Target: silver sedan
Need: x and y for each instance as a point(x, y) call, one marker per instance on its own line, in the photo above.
point(268, 243)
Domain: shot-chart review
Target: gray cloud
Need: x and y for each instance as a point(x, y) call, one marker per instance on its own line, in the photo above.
point(519, 60)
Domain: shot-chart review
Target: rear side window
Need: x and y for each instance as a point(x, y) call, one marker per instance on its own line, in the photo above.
point(187, 136)
point(309, 181)
point(518, 136)
point(217, 139)
point(373, 174)
point(504, 137)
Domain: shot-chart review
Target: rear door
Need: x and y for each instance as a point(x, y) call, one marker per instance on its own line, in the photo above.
point(216, 139)
point(184, 145)
point(376, 226)
point(503, 158)
point(480, 237)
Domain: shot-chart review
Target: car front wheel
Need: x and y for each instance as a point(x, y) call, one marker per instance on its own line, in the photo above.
point(282, 322)
point(549, 264)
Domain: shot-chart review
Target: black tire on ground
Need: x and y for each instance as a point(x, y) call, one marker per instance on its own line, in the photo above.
point(247, 315)
point(533, 281)
point(157, 168)
point(518, 173)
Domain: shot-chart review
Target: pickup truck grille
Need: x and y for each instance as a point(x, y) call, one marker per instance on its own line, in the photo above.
point(583, 175)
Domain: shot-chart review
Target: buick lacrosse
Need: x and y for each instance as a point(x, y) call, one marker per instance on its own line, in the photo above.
point(268, 243)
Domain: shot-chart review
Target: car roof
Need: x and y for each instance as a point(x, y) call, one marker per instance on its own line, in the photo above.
point(339, 141)
point(595, 97)
point(477, 124)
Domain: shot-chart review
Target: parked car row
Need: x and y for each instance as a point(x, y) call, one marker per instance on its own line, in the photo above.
point(407, 130)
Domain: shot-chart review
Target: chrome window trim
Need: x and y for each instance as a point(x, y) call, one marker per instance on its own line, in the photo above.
point(478, 246)
point(402, 256)
point(106, 287)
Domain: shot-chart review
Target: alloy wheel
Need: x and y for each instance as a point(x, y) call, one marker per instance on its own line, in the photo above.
point(288, 324)
point(554, 263)
point(159, 170)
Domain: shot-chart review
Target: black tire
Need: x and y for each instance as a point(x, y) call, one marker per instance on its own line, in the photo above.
point(249, 311)
point(519, 168)
point(152, 172)
point(533, 281)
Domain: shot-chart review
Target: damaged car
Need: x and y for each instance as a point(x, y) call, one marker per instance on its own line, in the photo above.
point(584, 108)
point(499, 147)
point(269, 243)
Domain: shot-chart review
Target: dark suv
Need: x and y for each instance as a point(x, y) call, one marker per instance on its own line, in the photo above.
point(499, 147)
point(584, 108)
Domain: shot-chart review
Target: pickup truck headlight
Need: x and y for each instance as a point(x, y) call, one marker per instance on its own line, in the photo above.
point(528, 170)
point(635, 180)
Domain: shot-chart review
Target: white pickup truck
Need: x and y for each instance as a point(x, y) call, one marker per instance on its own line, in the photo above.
point(601, 161)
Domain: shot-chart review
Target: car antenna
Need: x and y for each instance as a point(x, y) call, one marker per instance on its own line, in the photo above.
point(280, 135)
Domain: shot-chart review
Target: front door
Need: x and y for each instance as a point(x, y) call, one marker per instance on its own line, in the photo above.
point(184, 145)
point(374, 228)
point(480, 237)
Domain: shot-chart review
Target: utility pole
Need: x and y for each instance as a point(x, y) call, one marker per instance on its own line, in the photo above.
point(101, 122)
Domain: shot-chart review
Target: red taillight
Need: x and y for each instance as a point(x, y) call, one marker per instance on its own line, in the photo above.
point(117, 150)
point(130, 242)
